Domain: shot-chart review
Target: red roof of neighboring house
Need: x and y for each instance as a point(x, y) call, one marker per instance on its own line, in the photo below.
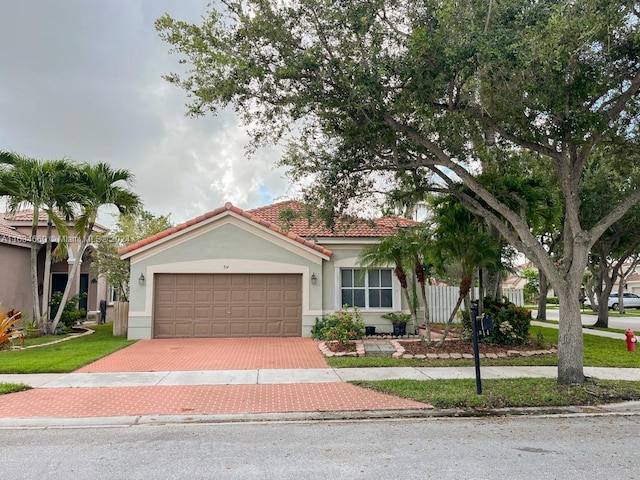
point(9, 234)
point(298, 229)
point(25, 216)
point(344, 227)
point(22, 217)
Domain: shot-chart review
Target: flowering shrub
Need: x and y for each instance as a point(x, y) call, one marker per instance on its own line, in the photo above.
point(340, 326)
point(510, 322)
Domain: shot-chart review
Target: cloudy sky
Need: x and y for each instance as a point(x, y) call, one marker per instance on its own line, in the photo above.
point(82, 79)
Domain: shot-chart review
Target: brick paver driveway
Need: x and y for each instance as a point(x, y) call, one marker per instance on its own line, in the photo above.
point(211, 354)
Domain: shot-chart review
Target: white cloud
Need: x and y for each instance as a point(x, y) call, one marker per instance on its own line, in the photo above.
point(83, 80)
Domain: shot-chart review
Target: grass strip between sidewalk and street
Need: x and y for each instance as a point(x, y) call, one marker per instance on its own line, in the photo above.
point(505, 393)
point(13, 387)
point(66, 356)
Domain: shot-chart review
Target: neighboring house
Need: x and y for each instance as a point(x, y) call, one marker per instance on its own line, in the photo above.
point(15, 264)
point(235, 273)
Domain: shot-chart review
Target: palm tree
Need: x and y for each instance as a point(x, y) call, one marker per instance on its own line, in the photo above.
point(101, 185)
point(43, 186)
point(62, 192)
point(419, 245)
point(393, 249)
point(459, 239)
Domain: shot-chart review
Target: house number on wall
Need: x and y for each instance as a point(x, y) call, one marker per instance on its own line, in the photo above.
point(226, 267)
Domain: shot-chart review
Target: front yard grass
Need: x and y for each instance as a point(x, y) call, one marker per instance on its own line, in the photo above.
point(598, 352)
point(515, 393)
point(504, 393)
point(63, 357)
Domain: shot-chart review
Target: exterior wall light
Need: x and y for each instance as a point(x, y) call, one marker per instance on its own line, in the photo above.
point(314, 279)
point(141, 279)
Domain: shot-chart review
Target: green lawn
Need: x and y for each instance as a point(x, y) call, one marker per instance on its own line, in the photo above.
point(598, 352)
point(65, 356)
point(520, 392)
point(503, 393)
point(12, 388)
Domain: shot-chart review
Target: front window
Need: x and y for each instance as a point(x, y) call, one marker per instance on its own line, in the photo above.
point(366, 288)
point(113, 294)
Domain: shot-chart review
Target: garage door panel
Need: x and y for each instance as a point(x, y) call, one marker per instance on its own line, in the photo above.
point(184, 296)
point(203, 281)
point(219, 329)
point(202, 313)
point(256, 329)
point(203, 296)
point(223, 305)
point(292, 297)
point(257, 296)
point(201, 329)
point(219, 312)
point(184, 311)
point(165, 296)
point(183, 329)
point(255, 312)
point(275, 328)
point(221, 296)
point(240, 280)
point(290, 329)
point(185, 280)
point(239, 296)
point(275, 296)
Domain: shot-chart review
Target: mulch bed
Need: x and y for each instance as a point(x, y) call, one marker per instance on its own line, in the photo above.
point(463, 346)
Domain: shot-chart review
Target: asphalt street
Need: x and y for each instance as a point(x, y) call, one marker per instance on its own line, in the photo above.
point(523, 448)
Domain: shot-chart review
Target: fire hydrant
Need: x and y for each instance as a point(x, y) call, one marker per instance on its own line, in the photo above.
point(631, 340)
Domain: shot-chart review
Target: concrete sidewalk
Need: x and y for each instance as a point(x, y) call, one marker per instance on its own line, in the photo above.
point(296, 376)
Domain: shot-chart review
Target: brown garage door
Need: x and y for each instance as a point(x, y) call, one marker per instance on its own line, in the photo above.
point(233, 305)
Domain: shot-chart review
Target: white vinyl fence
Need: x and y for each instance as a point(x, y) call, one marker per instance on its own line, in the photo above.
point(442, 300)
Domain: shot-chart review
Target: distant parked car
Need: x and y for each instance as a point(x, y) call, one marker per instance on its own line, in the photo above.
point(631, 300)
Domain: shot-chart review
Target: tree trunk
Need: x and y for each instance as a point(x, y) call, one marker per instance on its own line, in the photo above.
point(34, 264)
point(570, 342)
point(465, 286)
point(451, 317)
point(72, 277)
point(621, 295)
point(422, 280)
point(42, 321)
point(603, 312)
point(542, 300)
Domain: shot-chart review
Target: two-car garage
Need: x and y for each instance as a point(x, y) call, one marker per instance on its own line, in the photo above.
point(227, 305)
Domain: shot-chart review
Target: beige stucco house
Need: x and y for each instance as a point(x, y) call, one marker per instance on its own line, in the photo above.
point(15, 265)
point(234, 273)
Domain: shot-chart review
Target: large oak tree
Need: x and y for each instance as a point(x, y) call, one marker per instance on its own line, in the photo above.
point(365, 89)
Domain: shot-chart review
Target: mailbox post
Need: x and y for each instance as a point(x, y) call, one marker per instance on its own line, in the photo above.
point(476, 349)
point(481, 327)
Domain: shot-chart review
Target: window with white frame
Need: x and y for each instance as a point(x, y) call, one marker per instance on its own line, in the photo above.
point(113, 294)
point(367, 289)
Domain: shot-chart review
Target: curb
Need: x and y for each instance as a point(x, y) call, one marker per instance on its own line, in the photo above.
point(617, 410)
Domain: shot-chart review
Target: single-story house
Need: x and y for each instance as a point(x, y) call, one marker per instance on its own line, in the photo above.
point(15, 257)
point(235, 273)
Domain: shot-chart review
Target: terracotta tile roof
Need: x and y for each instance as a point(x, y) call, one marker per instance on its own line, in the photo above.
point(9, 234)
point(24, 216)
point(345, 226)
point(227, 207)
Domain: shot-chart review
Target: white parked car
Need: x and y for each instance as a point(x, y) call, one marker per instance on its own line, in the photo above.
point(631, 300)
